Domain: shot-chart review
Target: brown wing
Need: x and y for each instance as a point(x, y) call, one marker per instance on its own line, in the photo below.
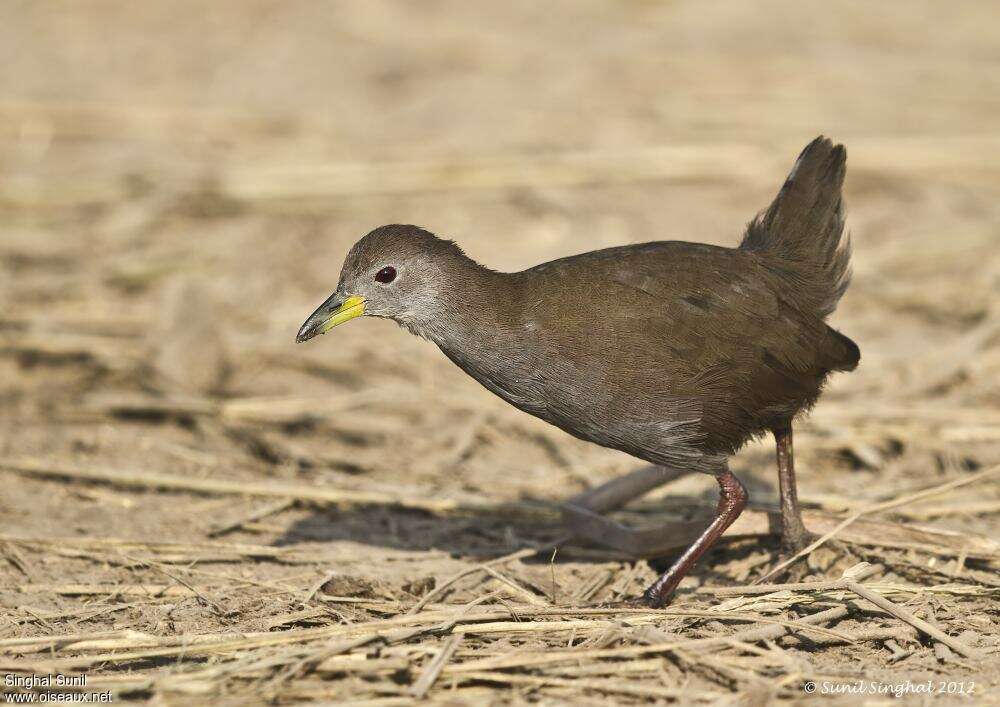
point(699, 323)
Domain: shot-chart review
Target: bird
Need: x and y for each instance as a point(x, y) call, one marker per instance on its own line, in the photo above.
point(674, 352)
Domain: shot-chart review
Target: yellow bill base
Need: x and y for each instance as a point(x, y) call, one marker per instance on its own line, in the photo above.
point(352, 307)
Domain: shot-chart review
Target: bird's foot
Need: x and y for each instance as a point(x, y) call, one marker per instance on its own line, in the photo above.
point(657, 596)
point(791, 545)
point(794, 539)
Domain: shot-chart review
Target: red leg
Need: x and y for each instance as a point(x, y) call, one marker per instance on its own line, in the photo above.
point(794, 535)
point(732, 501)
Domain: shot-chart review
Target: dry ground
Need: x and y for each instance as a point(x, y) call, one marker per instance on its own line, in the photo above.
point(197, 510)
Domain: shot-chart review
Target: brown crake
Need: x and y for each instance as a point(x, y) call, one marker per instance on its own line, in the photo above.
point(674, 352)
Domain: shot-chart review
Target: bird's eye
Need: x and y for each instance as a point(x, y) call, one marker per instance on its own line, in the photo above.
point(386, 275)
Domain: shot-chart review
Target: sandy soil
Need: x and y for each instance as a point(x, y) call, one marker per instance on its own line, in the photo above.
point(224, 516)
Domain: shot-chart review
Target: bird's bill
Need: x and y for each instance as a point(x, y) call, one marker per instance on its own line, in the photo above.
point(336, 310)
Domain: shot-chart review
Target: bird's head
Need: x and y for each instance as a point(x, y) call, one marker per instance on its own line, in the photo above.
point(403, 273)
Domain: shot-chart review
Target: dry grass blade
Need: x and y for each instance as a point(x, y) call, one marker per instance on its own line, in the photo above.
point(437, 591)
point(258, 514)
point(774, 630)
point(548, 627)
point(884, 506)
point(144, 590)
point(606, 686)
point(434, 668)
point(849, 582)
point(238, 488)
point(514, 587)
point(105, 549)
point(904, 615)
point(326, 181)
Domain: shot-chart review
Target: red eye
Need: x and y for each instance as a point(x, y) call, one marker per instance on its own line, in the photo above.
point(386, 275)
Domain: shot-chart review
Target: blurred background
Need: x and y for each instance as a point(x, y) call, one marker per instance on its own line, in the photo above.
point(179, 182)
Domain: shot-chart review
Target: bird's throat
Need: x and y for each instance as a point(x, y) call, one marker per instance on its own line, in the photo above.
point(473, 314)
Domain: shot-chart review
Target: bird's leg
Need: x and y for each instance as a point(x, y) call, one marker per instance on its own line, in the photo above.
point(794, 535)
point(732, 501)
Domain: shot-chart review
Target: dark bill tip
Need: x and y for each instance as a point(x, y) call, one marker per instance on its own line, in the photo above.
point(307, 331)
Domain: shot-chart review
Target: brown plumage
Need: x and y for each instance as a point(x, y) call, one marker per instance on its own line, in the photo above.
point(674, 352)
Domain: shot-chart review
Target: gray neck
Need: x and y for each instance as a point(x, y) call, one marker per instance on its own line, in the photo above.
point(472, 314)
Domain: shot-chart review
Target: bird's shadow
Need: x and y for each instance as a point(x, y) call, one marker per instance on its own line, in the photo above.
point(485, 533)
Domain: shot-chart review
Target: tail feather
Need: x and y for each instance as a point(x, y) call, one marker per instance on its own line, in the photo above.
point(843, 354)
point(802, 231)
